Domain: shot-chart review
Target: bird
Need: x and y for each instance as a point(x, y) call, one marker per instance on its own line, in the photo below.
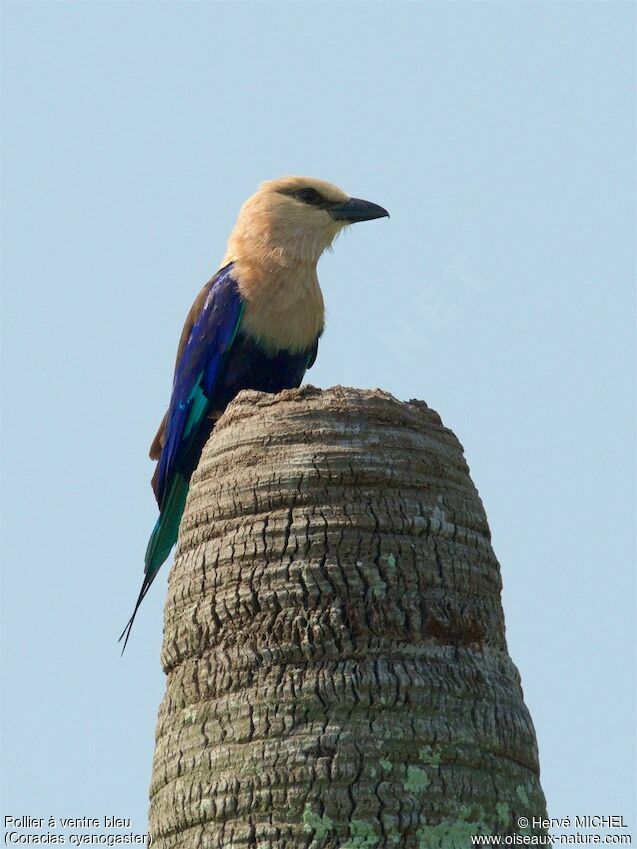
point(256, 324)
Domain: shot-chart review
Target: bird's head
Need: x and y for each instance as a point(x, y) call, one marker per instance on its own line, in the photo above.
point(295, 219)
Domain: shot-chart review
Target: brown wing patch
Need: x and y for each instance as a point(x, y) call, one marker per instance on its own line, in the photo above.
point(158, 441)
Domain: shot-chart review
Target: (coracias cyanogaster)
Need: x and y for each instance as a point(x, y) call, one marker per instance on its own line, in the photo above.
point(255, 325)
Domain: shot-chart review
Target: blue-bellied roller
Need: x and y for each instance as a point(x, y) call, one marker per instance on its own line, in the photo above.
point(255, 325)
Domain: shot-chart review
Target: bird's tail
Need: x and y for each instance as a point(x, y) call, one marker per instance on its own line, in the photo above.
point(162, 539)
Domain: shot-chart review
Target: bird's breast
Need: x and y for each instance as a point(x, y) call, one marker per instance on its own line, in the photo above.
point(283, 312)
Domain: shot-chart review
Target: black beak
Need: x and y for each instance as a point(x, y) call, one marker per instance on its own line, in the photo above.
point(356, 209)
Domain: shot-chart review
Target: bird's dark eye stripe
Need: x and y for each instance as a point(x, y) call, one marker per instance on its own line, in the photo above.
point(309, 196)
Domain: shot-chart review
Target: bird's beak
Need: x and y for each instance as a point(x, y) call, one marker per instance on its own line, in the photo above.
point(355, 209)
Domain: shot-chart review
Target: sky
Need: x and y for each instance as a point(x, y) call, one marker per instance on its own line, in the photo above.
point(500, 137)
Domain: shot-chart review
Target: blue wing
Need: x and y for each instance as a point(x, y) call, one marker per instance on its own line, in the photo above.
point(200, 362)
point(196, 375)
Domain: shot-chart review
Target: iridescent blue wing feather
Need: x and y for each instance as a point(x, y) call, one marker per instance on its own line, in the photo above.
point(193, 397)
point(196, 375)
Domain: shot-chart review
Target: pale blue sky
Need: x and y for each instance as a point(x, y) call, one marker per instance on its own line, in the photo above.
point(500, 138)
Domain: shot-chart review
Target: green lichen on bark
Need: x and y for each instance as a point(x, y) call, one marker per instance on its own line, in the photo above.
point(319, 825)
point(417, 779)
point(362, 835)
point(470, 821)
point(428, 756)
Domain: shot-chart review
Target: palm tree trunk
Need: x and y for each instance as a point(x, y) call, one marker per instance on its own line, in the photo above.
point(338, 676)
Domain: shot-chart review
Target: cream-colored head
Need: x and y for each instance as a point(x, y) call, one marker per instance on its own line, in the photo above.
point(275, 225)
point(292, 220)
point(281, 232)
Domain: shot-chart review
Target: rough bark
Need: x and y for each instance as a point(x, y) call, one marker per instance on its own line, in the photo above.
point(338, 675)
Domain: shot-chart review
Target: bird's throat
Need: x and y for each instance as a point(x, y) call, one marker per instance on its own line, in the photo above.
point(284, 304)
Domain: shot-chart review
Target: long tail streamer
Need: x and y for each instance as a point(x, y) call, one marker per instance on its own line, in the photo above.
point(162, 539)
